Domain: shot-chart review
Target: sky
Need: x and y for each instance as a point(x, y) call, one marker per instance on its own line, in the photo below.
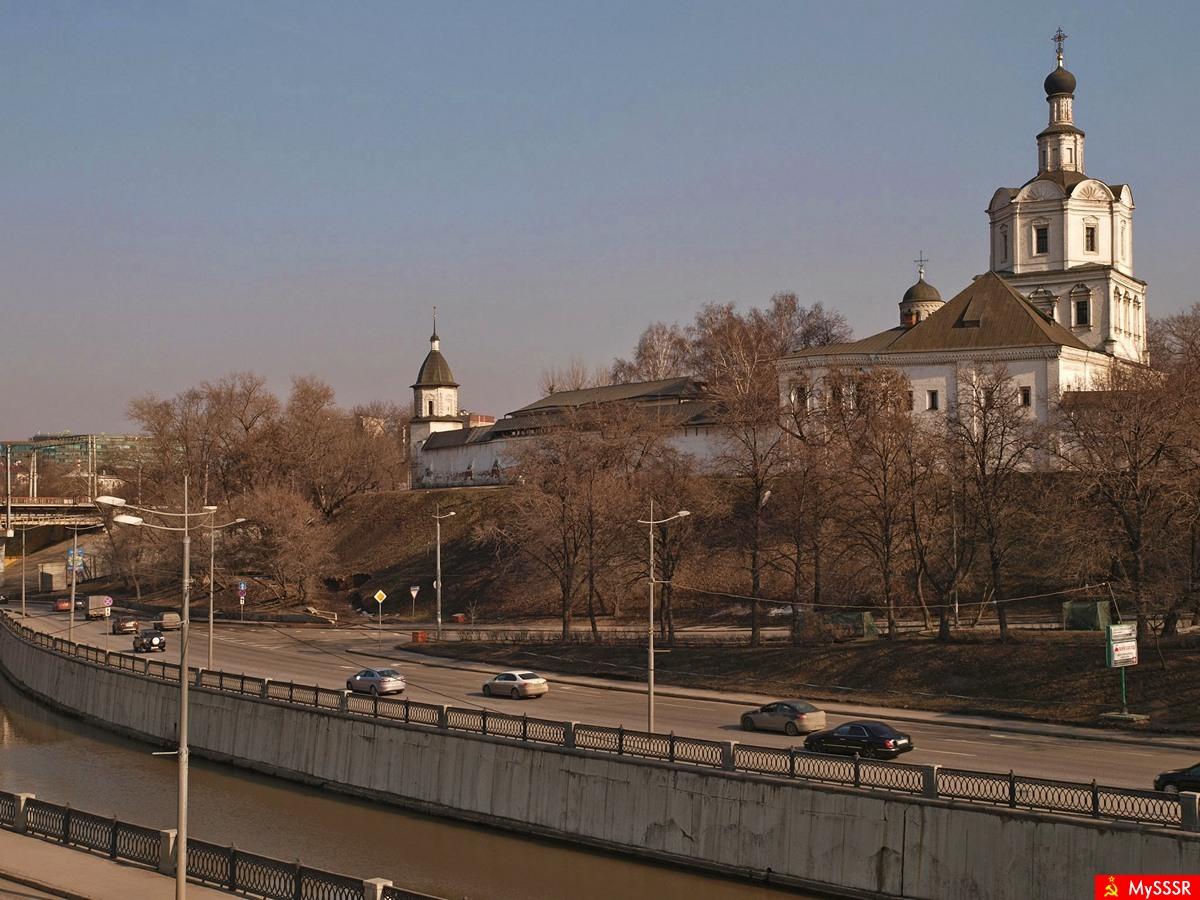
point(193, 189)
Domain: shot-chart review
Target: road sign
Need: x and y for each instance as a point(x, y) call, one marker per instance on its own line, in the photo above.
point(414, 590)
point(380, 596)
point(1122, 645)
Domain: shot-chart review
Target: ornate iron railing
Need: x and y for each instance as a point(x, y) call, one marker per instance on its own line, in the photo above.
point(225, 867)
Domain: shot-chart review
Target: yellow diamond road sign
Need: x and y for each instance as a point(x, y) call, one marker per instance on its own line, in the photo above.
point(380, 596)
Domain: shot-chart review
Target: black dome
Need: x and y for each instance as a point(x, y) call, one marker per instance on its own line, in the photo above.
point(921, 291)
point(1060, 81)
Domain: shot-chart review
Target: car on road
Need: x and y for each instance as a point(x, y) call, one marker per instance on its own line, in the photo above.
point(145, 641)
point(868, 739)
point(126, 625)
point(63, 605)
point(516, 684)
point(789, 716)
point(1176, 780)
point(377, 681)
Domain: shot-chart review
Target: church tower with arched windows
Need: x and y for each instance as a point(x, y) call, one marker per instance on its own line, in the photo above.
point(1065, 241)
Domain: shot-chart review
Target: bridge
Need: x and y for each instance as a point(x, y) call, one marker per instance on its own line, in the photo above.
point(29, 512)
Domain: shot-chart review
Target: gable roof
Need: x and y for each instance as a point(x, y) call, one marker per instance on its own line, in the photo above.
point(988, 314)
point(668, 390)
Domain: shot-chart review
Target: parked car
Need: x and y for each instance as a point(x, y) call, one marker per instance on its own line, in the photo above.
point(63, 605)
point(1177, 780)
point(126, 625)
point(145, 641)
point(869, 739)
point(516, 684)
point(788, 716)
point(377, 681)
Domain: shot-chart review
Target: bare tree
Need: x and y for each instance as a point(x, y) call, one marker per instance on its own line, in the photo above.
point(661, 353)
point(997, 440)
point(576, 376)
point(1131, 447)
point(868, 411)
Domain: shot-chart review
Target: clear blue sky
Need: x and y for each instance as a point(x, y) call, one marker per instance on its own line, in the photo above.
point(194, 188)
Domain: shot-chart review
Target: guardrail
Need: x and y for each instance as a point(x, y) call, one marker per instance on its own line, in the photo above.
point(225, 867)
point(935, 782)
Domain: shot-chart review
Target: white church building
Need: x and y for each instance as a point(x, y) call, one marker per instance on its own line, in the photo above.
point(1058, 307)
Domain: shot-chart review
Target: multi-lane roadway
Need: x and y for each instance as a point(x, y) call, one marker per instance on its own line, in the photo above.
point(326, 656)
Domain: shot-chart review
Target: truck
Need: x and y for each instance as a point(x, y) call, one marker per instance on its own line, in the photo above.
point(98, 606)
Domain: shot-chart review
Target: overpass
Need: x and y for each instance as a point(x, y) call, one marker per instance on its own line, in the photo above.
point(29, 512)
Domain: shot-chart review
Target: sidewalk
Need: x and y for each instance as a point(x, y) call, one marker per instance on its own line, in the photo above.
point(64, 871)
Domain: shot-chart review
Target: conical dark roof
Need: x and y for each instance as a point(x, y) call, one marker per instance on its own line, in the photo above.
point(435, 372)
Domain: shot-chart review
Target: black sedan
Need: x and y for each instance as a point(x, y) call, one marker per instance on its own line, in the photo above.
point(867, 739)
point(1179, 780)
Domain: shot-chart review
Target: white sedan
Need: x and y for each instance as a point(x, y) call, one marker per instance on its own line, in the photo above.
point(516, 684)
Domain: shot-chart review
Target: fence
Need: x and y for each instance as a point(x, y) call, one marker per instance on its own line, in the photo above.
point(1011, 790)
point(225, 867)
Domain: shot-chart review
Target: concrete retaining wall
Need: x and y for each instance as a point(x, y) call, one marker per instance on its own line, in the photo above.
point(846, 842)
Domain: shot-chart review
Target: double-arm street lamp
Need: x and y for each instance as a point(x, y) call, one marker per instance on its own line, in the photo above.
point(650, 632)
point(182, 752)
point(437, 583)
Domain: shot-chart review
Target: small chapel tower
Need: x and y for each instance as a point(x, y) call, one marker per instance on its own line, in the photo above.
point(435, 401)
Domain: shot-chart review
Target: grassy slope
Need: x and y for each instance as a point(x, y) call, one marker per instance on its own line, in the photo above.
point(388, 542)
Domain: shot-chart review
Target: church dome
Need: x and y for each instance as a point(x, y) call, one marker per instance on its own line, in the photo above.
point(922, 291)
point(1060, 81)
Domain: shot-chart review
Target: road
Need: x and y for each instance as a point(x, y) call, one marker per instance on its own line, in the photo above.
point(326, 656)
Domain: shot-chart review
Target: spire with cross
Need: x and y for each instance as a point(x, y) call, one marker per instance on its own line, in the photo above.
point(1058, 39)
point(920, 261)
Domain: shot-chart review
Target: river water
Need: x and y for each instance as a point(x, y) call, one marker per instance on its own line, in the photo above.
point(64, 761)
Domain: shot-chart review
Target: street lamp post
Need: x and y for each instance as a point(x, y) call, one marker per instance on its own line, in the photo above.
point(650, 631)
point(437, 518)
point(184, 620)
point(212, 555)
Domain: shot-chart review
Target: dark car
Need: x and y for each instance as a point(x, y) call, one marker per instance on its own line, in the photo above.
point(145, 641)
point(1179, 780)
point(869, 739)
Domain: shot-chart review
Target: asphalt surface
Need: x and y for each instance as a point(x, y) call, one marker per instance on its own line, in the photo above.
point(31, 867)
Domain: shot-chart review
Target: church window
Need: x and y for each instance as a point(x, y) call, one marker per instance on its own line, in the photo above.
point(430, 412)
point(931, 399)
point(1070, 151)
point(1041, 235)
point(1083, 312)
point(910, 401)
point(1004, 243)
point(1026, 396)
point(1089, 238)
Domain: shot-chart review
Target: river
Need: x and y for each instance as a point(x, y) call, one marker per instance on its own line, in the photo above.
point(64, 761)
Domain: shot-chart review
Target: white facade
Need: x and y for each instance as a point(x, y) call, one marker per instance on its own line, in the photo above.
point(1065, 241)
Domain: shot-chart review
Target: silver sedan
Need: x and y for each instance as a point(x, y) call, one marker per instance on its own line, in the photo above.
point(789, 716)
point(377, 681)
point(516, 684)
